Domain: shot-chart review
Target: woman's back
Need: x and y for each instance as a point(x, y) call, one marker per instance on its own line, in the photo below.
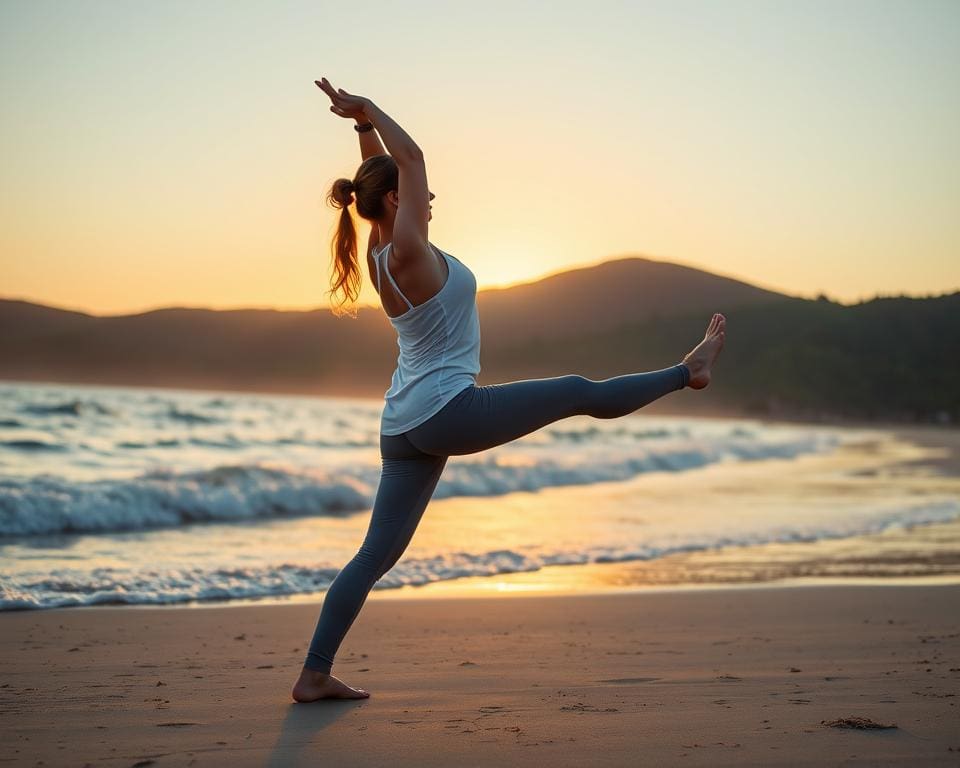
point(414, 279)
point(439, 341)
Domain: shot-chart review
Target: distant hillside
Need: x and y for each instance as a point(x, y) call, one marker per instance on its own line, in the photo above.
point(610, 295)
point(889, 359)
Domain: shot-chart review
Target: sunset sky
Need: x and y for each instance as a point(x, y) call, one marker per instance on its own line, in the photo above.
point(178, 153)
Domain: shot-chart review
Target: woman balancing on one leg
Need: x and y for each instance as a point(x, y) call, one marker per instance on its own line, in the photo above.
point(433, 408)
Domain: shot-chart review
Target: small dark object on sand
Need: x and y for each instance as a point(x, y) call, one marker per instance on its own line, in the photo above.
point(855, 722)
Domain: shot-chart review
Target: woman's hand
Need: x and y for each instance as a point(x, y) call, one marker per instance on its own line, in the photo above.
point(344, 104)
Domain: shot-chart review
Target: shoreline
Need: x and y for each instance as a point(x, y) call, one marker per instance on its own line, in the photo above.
point(437, 591)
point(696, 570)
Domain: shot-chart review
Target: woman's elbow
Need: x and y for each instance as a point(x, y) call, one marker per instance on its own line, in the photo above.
point(411, 155)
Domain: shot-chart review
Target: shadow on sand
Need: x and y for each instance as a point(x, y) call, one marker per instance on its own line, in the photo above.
point(296, 745)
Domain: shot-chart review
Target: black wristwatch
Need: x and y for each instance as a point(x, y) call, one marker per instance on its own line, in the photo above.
point(363, 128)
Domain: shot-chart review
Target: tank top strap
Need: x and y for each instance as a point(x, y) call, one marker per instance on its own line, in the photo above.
point(376, 258)
point(376, 263)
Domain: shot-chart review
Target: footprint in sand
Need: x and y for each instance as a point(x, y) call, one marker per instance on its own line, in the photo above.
point(581, 707)
point(495, 709)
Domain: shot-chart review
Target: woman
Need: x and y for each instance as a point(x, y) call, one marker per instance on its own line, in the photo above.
point(433, 408)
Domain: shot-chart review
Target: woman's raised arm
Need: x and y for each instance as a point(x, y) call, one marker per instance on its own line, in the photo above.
point(410, 227)
point(410, 235)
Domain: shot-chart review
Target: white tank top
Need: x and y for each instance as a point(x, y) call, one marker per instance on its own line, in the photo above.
point(439, 344)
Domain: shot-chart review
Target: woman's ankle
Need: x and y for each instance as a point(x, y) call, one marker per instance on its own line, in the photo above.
point(315, 673)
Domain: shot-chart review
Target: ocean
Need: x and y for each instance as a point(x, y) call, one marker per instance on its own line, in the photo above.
point(114, 495)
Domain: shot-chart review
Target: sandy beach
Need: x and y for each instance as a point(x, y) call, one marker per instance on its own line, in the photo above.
point(723, 675)
point(735, 676)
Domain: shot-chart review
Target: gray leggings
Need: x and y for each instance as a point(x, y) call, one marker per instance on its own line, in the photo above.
point(475, 419)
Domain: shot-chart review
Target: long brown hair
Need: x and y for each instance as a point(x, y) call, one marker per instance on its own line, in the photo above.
point(375, 177)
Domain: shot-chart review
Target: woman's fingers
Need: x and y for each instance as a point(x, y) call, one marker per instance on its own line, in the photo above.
point(326, 87)
point(351, 96)
point(343, 104)
point(339, 97)
point(335, 98)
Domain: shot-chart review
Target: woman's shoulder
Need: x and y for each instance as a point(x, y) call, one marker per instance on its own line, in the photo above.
point(406, 254)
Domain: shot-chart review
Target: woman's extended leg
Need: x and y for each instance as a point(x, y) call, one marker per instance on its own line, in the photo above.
point(483, 417)
point(407, 481)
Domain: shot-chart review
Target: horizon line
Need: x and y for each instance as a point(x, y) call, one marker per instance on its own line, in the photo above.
point(493, 287)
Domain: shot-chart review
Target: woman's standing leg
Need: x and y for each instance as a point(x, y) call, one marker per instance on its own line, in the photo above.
point(407, 482)
point(483, 417)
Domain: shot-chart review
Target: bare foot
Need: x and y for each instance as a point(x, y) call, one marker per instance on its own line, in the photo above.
point(314, 685)
point(701, 358)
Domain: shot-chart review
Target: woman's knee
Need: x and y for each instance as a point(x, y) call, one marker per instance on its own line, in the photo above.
point(582, 393)
point(375, 562)
point(600, 400)
point(369, 561)
point(580, 384)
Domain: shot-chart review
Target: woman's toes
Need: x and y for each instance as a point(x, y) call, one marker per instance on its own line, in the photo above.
point(352, 693)
point(345, 691)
